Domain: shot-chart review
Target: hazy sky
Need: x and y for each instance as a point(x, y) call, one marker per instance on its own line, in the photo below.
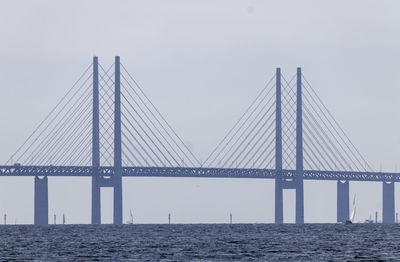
point(202, 63)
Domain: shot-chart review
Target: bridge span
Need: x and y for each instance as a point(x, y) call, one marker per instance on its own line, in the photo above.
point(106, 128)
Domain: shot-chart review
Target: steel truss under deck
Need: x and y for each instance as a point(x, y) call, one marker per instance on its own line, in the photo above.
point(85, 171)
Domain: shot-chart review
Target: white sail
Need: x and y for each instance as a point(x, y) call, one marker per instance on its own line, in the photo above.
point(131, 217)
point(353, 211)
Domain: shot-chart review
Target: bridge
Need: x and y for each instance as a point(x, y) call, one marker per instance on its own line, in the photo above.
point(106, 127)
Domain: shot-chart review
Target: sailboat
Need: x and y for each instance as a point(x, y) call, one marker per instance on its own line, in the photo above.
point(130, 221)
point(369, 220)
point(353, 212)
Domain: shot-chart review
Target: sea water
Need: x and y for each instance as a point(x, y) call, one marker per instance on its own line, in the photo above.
point(200, 242)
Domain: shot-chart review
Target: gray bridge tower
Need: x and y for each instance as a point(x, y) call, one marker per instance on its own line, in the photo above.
point(99, 181)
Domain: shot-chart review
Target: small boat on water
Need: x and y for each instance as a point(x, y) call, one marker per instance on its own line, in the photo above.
point(353, 212)
point(369, 221)
point(130, 221)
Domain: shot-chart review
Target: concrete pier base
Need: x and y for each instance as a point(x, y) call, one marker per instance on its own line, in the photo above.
point(343, 204)
point(388, 212)
point(41, 209)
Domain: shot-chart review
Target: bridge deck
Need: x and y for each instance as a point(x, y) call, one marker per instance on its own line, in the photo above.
point(84, 171)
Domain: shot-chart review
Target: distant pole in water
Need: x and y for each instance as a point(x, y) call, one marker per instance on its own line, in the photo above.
point(5, 219)
point(169, 218)
point(63, 219)
point(55, 219)
point(397, 217)
point(376, 217)
point(230, 216)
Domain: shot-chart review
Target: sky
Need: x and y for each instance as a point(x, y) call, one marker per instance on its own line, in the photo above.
point(202, 63)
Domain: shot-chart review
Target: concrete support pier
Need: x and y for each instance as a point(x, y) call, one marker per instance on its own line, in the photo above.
point(278, 200)
point(118, 200)
point(388, 212)
point(41, 209)
point(343, 204)
point(96, 215)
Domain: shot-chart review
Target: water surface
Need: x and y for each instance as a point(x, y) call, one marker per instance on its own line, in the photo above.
point(200, 242)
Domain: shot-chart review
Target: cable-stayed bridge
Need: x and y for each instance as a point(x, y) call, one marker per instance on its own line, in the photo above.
point(106, 127)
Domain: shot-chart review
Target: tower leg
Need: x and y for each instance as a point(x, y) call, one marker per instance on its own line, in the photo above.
point(96, 204)
point(278, 152)
point(118, 201)
point(343, 205)
point(388, 203)
point(117, 146)
point(96, 215)
point(299, 201)
point(41, 208)
point(278, 201)
point(299, 151)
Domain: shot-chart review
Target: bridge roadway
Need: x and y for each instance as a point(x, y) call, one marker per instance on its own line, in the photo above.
point(108, 171)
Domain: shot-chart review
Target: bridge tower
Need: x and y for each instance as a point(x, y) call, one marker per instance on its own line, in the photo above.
point(99, 180)
point(297, 183)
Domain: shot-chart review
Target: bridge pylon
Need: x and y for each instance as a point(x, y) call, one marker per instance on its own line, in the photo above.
point(99, 180)
point(297, 182)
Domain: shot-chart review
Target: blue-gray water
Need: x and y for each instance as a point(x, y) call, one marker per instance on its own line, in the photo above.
point(237, 242)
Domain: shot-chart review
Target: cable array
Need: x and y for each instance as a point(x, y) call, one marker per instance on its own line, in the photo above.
point(250, 142)
point(326, 145)
point(64, 136)
point(288, 122)
point(106, 114)
point(148, 139)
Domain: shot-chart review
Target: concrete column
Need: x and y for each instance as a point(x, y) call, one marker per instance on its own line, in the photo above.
point(299, 152)
point(96, 202)
point(278, 152)
point(96, 206)
point(117, 147)
point(388, 203)
point(343, 204)
point(41, 209)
